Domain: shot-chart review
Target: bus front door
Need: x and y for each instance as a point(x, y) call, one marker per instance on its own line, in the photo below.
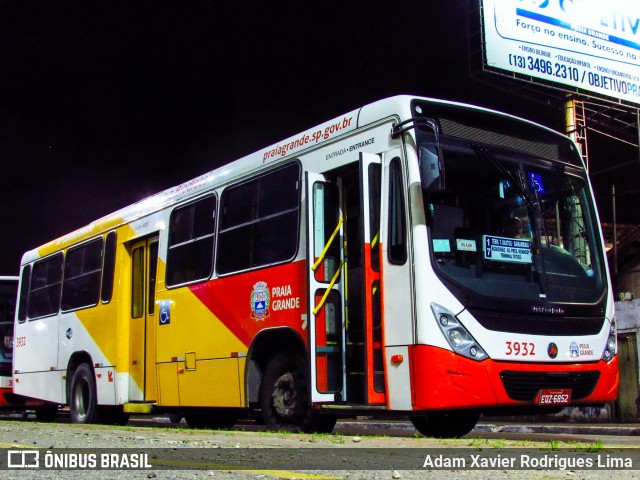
point(326, 316)
point(369, 285)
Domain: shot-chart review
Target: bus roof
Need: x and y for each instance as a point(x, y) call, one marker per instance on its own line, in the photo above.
point(398, 107)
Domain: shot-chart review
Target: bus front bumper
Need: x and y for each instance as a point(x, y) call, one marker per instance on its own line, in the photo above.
point(442, 379)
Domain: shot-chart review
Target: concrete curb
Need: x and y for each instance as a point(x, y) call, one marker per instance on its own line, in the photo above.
point(571, 428)
point(485, 427)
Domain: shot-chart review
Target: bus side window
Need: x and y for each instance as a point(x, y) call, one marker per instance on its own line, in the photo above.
point(83, 267)
point(24, 294)
point(397, 241)
point(191, 242)
point(45, 288)
point(259, 221)
point(108, 268)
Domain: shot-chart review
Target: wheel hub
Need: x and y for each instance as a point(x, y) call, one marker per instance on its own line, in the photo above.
point(284, 395)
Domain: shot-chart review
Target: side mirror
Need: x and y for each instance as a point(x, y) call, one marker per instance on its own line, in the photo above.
point(430, 155)
point(431, 168)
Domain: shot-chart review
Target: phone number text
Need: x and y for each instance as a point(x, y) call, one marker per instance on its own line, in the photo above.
point(547, 67)
point(558, 71)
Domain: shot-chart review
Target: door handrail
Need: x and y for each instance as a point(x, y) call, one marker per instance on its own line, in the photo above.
point(326, 293)
point(326, 247)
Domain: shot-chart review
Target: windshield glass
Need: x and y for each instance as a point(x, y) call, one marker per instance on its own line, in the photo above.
point(512, 225)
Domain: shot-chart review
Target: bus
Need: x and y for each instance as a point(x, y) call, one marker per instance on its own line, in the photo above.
point(366, 266)
point(8, 399)
point(8, 296)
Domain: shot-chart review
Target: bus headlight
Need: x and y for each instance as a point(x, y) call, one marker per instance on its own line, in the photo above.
point(612, 343)
point(458, 337)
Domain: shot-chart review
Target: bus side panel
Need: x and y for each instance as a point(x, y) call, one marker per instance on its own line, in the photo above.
point(106, 385)
point(168, 383)
point(212, 382)
point(93, 331)
point(49, 386)
point(398, 378)
point(36, 353)
point(192, 346)
point(236, 300)
point(202, 342)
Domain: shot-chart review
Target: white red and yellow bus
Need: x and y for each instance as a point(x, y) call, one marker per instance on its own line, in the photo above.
point(365, 266)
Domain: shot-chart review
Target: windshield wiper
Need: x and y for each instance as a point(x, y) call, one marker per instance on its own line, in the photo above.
point(534, 207)
point(483, 153)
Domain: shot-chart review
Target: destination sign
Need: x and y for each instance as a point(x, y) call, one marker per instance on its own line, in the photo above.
point(502, 249)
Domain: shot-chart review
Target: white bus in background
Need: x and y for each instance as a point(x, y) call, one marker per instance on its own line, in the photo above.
point(8, 296)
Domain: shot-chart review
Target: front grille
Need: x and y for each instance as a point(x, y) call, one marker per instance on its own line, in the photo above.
point(538, 324)
point(524, 386)
point(477, 134)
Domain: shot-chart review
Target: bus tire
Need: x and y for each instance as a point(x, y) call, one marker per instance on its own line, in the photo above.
point(46, 413)
point(83, 398)
point(446, 424)
point(210, 418)
point(283, 394)
point(320, 423)
point(113, 415)
point(176, 417)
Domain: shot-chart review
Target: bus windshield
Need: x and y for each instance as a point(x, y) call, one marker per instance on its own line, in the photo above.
point(511, 224)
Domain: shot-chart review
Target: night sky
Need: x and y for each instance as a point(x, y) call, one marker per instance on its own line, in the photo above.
point(103, 103)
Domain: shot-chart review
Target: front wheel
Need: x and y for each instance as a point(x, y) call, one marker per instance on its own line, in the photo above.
point(83, 401)
point(283, 394)
point(317, 423)
point(447, 424)
point(284, 398)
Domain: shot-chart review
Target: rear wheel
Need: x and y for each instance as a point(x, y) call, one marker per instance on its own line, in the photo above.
point(448, 424)
point(176, 417)
point(83, 401)
point(113, 415)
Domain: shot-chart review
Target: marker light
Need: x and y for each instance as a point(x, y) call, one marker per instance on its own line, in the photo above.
point(610, 347)
point(397, 359)
point(456, 334)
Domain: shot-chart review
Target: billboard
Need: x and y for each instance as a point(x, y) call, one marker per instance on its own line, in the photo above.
point(592, 45)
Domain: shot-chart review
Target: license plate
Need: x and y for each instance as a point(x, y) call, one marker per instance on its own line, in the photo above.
point(561, 396)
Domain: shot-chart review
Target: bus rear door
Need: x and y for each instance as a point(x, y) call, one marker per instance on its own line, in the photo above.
point(142, 381)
